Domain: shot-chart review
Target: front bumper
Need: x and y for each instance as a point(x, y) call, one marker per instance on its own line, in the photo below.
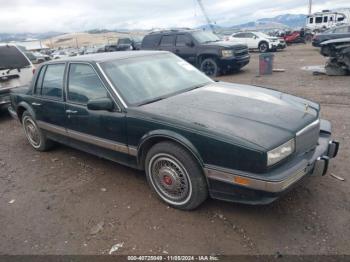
point(249, 188)
point(12, 113)
point(234, 62)
point(282, 45)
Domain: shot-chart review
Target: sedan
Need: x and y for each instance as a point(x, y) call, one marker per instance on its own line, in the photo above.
point(193, 137)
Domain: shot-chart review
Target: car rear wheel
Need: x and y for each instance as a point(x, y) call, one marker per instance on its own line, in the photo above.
point(35, 136)
point(175, 176)
point(263, 47)
point(210, 67)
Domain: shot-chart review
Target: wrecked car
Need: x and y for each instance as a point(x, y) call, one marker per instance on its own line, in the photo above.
point(338, 53)
point(193, 137)
point(15, 70)
point(333, 33)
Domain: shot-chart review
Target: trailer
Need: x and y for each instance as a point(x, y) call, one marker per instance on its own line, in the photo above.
point(326, 19)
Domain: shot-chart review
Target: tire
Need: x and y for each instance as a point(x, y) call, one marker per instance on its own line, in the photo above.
point(36, 138)
point(175, 176)
point(263, 47)
point(209, 66)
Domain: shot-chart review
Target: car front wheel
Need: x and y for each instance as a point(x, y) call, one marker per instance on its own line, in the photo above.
point(263, 47)
point(175, 176)
point(210, 67)
point(34, 135)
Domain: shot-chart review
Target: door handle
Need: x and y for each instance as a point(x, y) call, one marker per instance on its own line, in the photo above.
point(36, 104)
point(71, 111)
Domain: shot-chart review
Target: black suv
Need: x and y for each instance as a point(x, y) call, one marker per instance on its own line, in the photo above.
point(201, 48)
point(125, 44)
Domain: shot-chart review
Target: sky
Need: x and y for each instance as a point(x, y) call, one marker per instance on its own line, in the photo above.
point(36, 16)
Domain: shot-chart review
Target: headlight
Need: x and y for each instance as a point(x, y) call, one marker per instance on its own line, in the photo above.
point(276, 155)
point(227, 53)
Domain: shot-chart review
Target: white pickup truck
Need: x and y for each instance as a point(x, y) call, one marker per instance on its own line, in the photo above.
point(15, 70)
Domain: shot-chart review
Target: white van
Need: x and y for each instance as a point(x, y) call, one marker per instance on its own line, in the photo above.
point(15, 70)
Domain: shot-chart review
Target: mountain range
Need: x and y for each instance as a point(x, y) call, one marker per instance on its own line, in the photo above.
point(281, 21)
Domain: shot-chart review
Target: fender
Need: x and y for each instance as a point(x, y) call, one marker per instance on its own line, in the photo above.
point(170, 135)
point(27, 107)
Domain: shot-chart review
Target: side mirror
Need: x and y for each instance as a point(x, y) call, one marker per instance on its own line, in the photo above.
point(101, 104)
point(255, 37)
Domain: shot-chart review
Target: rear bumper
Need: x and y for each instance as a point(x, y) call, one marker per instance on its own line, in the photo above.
point(4, 98)
point(237, 186)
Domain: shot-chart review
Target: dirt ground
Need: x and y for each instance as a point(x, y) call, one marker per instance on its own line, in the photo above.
point(69, 202)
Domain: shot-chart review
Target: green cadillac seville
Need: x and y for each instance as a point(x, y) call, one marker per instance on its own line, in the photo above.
point(194, 137)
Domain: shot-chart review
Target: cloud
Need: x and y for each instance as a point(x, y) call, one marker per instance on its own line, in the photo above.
point(81, 15)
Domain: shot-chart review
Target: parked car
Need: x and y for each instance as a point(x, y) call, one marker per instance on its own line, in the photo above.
point(60, 55)
point(193, 136)
point(36, 57)
point(333, 33)
point(202, 49)
point(125, 44)
point(338, 53)
point(15, 70)
point(258, 40)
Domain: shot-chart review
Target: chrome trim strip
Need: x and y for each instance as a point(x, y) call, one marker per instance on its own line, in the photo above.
point(52, 128)
point(254, 183)
point(105, 143)
point(111, 85)
point(317, 122)
point(132, 151)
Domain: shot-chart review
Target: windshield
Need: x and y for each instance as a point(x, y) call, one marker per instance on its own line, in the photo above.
point(205, 37)
point(11, 57)
point(141, 80)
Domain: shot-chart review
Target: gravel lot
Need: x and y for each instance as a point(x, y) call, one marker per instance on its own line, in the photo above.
point(69, 202)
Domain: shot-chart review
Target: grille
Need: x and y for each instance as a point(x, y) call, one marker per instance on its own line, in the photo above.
point(242, 52)
point(307, 138)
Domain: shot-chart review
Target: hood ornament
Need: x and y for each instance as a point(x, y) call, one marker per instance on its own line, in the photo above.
point(306, 107)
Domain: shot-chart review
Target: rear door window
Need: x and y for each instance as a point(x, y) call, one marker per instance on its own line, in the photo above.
point(240, 35)
point(11, 57)
point(151, 41)
point(53, 81)
point(167, 40)
point(183, 40)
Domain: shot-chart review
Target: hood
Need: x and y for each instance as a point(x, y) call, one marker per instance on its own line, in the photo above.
point(256, 117)
point(226, 44)
point(337, 41)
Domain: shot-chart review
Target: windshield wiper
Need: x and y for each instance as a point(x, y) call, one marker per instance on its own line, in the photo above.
point(182, 91)
point(151, 101)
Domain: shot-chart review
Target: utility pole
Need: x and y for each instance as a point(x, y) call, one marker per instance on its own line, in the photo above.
point(205, 15)
point(310, 7)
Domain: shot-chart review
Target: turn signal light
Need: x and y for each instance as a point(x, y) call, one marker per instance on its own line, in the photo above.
point(241, 180)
